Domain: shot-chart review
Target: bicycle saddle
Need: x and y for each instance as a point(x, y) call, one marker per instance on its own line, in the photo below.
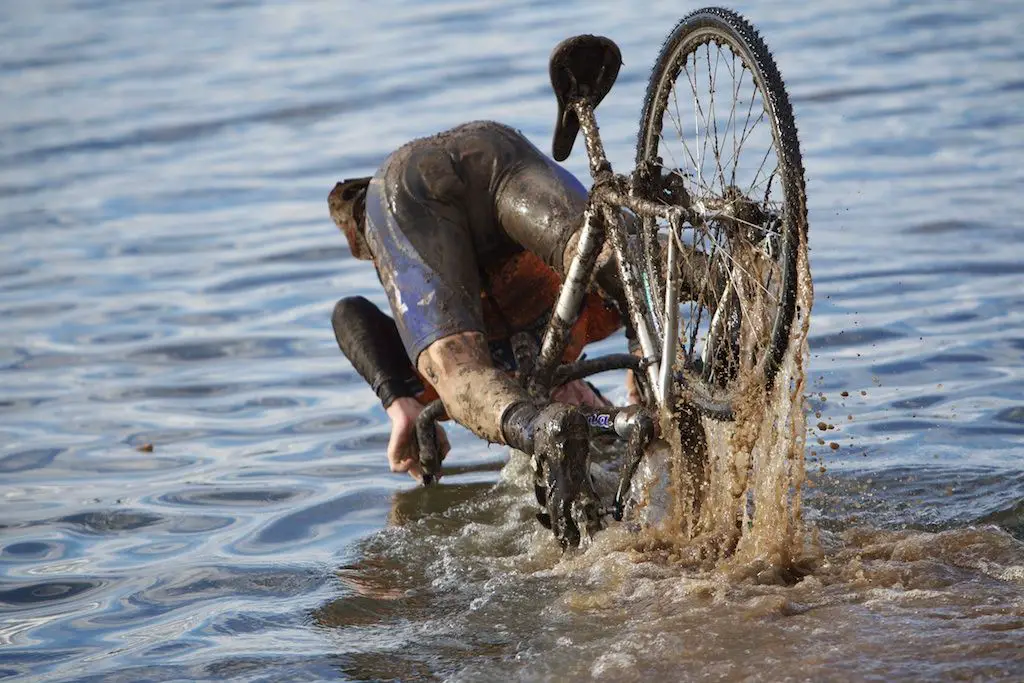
point(581, 67)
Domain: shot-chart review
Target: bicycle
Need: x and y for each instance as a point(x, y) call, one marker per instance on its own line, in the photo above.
point(707, 255)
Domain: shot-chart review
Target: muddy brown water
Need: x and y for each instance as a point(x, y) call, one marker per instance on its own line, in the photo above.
point(168, 269)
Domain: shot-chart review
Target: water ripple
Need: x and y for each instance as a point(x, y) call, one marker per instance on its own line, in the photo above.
point(186, 460)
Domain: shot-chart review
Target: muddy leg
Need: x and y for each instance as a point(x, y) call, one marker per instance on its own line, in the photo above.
point(485, 400)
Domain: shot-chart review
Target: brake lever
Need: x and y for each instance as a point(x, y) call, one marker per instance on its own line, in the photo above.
point(426, 438)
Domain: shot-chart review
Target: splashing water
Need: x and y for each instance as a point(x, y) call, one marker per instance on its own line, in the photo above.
point(168, 271)
point(734, 499)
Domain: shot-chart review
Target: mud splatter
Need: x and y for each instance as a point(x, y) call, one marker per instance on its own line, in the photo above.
point(736, 486)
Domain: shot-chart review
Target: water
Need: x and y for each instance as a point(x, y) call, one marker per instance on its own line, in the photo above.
point(168, 269)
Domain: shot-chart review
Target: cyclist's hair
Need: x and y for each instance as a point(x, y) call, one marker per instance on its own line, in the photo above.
point(347, 202)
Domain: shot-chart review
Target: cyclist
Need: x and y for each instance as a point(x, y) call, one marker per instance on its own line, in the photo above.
point(470, 231)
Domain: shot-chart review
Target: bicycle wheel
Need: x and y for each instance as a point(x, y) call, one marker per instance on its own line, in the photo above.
point(717, 136)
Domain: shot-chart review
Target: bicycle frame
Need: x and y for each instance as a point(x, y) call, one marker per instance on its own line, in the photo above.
point(690, 247)
point(602, 220)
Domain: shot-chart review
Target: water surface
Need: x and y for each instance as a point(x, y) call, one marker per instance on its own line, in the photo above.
point(167, 272)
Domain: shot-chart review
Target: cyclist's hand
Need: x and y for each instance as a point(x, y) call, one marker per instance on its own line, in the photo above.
point(632, 389)
point(403, 448)
point(633, 397)
point(579, 393)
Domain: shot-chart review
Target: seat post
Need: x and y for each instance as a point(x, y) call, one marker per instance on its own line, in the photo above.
point(600, 167)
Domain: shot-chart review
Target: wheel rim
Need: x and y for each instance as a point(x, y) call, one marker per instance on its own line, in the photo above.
point(714, 146)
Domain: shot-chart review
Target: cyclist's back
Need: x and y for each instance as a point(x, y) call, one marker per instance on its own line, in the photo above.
point(481, 172)
point(475, 209)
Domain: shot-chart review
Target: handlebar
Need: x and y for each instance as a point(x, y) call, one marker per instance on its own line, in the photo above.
point(592, 366)
point(426, 437)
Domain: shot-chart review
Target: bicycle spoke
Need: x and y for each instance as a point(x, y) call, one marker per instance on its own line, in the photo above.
point(717, 248)
point(698, 109)
point(677, 120)
point(677, 123)
point(758, 173)
point(746, 135)
point(729, 280)
point(747, 128)
point(732, 113)
point(686, 148)
point(701, 303)
point(712, 73)
point(738, 266)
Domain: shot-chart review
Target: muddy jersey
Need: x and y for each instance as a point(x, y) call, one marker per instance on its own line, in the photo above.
point(464, 227)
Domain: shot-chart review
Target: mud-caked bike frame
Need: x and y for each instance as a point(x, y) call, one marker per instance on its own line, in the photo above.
point(658, 271)
point(603, 221)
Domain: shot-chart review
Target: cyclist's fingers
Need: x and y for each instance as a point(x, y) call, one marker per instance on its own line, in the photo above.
point(414, 470)
point(411, 465)
point(399, 462)
point(400, 451)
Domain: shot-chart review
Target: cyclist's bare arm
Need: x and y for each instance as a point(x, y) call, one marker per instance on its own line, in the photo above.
point(371, 342)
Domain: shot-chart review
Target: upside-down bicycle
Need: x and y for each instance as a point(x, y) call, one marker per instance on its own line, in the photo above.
point(706, 231)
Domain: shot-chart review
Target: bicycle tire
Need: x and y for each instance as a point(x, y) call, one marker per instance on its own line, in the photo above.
point(723, 27)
